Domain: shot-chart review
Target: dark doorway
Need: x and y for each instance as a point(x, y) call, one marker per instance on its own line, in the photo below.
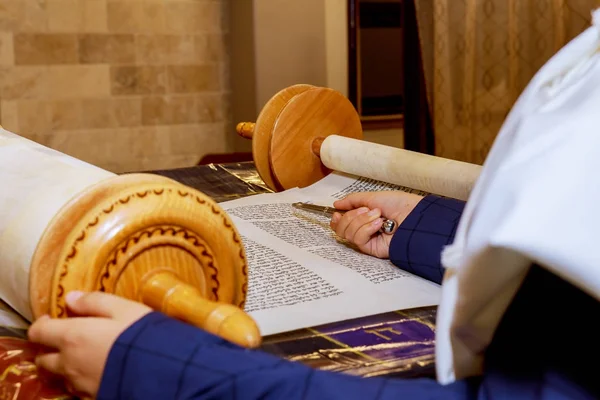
point(386, 80)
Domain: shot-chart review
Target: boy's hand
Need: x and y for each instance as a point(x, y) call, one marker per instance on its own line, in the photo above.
point(360, 226)
point(78, 347)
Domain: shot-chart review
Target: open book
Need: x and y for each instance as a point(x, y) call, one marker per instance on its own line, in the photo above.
point(301, 274)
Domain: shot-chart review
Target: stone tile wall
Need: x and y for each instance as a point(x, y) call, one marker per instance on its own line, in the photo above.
point(123, 84)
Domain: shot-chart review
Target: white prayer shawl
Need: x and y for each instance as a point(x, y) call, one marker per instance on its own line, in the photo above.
point(537, 200)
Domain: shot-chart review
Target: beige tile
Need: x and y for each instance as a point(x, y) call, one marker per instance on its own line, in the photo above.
point(34, 16)
point(110, 167)
point(214, 137)
point(42, 139)
point(129, 80)
point(106, 148)
point(152, 16)
point(183, 109)
point(211, 17)
point(132, 165)
point(38, 138)
point(226, 106)
point(182, 139)
point(95, 16)
point(142, 142)
point(202, 48)
point(168, 162)
point(130, 146)
point(86, 145)
point(124, 16)
point(225, 76)
point(102, 48)
point(11, 14)
point(210, 47)
point(117, 150)
point(6, 49)
point(34, 117)
point(80, 81)
point(9, 115)
point(65, 15)
point(184, 16)
point(182, 50)
point(66, 115)
point(128, 111)
point(169, 110)
point(210, 108)
point(196, 140)
point(98, 113)
point(156, 110)
point(111, 113)
point(142, 148)
point(124, 80)
point(152, 49)
point(23, 82)
point(160, 142)
point(192, 78)
point(45, 49)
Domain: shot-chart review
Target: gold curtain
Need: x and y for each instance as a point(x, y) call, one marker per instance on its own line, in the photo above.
point(479, 55)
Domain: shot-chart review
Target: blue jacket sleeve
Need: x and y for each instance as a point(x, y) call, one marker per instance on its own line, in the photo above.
point(418, 242)
point(162, 358)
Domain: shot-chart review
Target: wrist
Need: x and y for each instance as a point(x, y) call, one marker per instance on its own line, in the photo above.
point(410, 202)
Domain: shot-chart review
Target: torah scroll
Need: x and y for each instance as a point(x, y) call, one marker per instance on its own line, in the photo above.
point(303, 133)
point(68, 225)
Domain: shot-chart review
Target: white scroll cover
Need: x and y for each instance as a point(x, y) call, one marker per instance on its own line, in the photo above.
point(537, 200)
point(35, 183)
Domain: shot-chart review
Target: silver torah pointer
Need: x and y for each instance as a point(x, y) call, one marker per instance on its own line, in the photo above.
point(387, 227)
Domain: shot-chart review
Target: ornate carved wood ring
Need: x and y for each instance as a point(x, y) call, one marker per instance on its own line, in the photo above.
point(170, 236)
point(132, 231)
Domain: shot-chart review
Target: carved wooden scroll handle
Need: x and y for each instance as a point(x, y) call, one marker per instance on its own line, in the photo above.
point(148, 239)
point(165, 292)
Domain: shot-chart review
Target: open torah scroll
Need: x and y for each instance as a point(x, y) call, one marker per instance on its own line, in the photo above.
point(301, 275)
point(66, 225)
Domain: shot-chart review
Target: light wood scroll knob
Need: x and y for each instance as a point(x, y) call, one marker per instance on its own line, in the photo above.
point(164, 291)
point(153, 240)
point(288, 134)
point(245, 129)
point(316, 145)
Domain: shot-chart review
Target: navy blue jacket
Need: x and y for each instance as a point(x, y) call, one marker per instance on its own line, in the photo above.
point(540, 350)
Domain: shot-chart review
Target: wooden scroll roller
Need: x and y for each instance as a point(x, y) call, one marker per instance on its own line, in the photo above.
point(66, 225)
point(305, 132)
